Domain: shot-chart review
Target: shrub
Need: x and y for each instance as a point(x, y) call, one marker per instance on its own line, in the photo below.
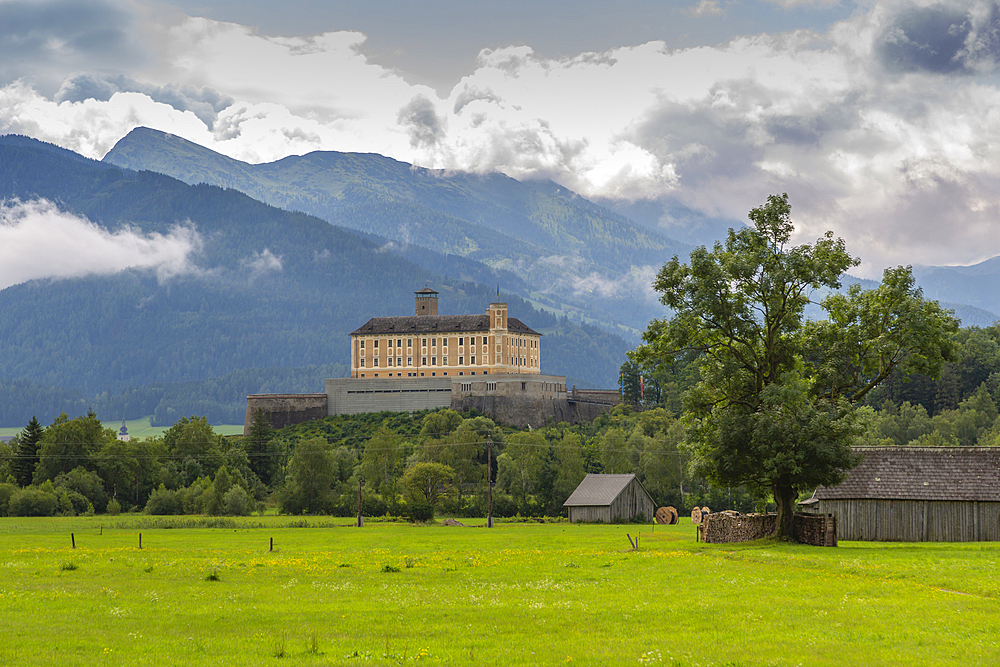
point(163, 502)
point(72, 503)
point(420, 511)
point(114, 507)
point(236, 502)
point(6, 492)
point(32, 501)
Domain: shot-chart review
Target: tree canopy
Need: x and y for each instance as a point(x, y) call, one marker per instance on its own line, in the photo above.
point(772, 409)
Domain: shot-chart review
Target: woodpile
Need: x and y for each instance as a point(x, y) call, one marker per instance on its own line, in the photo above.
point(666, 516)
point(817, 530)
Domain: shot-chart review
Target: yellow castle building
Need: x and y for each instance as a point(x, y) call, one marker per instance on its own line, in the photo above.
point(426, 344)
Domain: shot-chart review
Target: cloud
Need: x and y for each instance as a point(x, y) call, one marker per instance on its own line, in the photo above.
point(942, 38)
point(422, 122)
point(706, 8)
point(880, 127)
point(38, 241)
point(261, 263)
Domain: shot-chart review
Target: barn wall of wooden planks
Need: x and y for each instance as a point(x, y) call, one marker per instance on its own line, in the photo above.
point(915, 520)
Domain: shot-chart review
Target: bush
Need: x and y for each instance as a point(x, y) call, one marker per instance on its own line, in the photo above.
point(163, 502)
point(503, 505)
point(32, 501)
point(6, 492)
point(114, 507)
point(236, 502)
point(72, 503)
point(420, 511)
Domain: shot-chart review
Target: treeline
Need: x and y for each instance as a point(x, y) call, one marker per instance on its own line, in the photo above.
point(959, 408)
point(408, 465)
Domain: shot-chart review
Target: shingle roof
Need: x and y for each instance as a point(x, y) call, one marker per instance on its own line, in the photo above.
point(596, 489)
point(437, 324)
point(922, 473)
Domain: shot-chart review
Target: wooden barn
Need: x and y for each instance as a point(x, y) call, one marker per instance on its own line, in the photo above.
point(917, 494)
point(609, 498)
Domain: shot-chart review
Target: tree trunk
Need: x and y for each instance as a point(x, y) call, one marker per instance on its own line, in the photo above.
point(784, 497)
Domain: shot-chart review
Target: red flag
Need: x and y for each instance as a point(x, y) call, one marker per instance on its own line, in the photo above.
point(640, 386)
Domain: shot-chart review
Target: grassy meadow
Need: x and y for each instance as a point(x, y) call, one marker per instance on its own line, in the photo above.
point(517, 594)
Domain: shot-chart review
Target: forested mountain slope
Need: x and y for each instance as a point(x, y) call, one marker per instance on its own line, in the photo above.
point(267, 288)
point(562, 244)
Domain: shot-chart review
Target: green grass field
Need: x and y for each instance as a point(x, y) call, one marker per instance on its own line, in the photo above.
point(517, 594)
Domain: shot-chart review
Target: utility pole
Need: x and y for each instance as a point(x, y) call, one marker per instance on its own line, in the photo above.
point(489, 480)
point(361, 519)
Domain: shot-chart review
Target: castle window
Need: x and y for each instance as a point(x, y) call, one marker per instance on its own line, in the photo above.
point(434, 361)
point(461, 341)
point(399, 342)
point(399, 361)
point(376, 343)
point(491, 386)
point(362, 362)
point(434, 341)
point(466, 386)
point(444, 361)
point(409, 342)
point(461, 361)
point(409, 361)
point(390, 342)
point(362, 345)
point(389, 362)
point(425, 342)
point(473, 361)
point(375, 362)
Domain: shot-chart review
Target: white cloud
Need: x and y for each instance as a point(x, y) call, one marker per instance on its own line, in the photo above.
point(37, 240)
point(262, 262)
point(871, 137)
point(706, 8)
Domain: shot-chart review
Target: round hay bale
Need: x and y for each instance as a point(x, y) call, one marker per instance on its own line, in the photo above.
point(663, 515)
point(696, 516)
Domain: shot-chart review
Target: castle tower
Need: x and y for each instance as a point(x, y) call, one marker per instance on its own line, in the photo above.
point(426, 302)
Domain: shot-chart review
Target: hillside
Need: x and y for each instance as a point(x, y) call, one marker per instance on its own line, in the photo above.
point(231, 310)
point(571, 252)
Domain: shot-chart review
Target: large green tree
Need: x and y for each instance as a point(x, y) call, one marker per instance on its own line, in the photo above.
point(772, 410)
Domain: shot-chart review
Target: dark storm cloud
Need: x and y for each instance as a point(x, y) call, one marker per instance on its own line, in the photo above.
point(37, 35)
point(942, 39)
point(421, 121)
point(204, 103)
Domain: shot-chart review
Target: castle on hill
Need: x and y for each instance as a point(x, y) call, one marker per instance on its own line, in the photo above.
point(490, 363)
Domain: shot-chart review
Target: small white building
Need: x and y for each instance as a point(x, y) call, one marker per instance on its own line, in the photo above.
point(610, 498)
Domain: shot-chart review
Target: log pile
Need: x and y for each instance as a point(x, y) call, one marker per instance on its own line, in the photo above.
point(732, 526)
point(817, 530)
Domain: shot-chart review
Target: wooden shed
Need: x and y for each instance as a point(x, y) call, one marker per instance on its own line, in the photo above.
point(609, 498)
point(917, 494)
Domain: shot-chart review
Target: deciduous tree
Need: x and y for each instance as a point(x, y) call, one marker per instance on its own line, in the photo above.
point(773, 407)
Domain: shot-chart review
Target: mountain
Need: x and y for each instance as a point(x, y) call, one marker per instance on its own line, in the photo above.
point(977, 286)
point(572, 253)
point(267, 288)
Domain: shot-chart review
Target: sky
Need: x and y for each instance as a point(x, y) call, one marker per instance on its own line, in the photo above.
point(880, 119)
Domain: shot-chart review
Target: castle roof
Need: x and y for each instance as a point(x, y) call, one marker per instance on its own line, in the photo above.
point(436, 324)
